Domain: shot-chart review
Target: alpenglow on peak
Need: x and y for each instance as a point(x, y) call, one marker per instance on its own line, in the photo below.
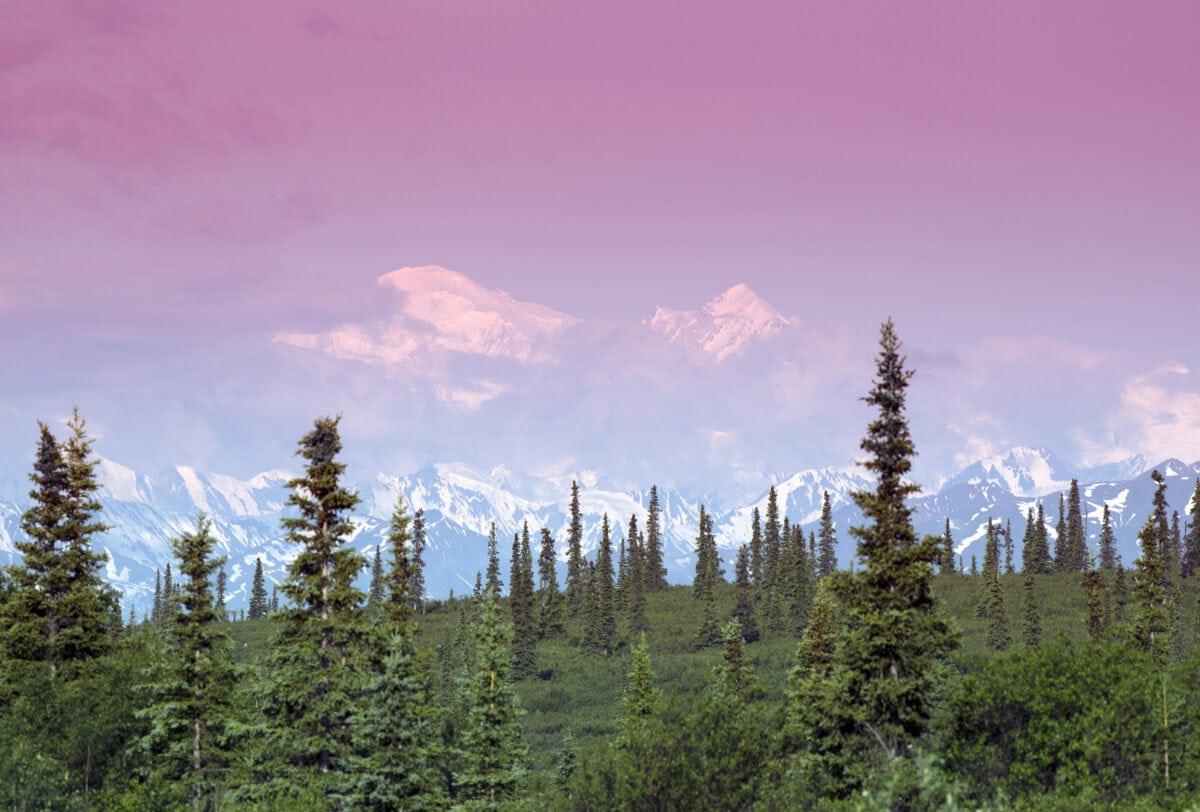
point(723, 327)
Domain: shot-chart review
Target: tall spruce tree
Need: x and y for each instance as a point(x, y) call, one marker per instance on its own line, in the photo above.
point(494, 753)
point(1008, 548)
point(221, 582)
point(640, 699)
point(376, 594)
point(743, 610)
point(895, 636)
point(33, 614)
point(397, 586)
point(575, 562)
point(947, 560)
point(1035, 558)
point(522, 604)
point(1108, 542)
point(707, 560)
point(827, 564)
point(417, 561)
point(636, 604)
point(1191, 543)
point(601, 632)
point(1152, 627)
point(1077, 558)
point(190, 705)
point(773, 615)
point(1174, 558)
point(494, 583)
point(550, 609)
point(1094, 586)
point(1061, 556)
point(656, 573)
point(314, 665)
point(997, 628)
point(801, 581)
point(756, 551)
point(258, 593)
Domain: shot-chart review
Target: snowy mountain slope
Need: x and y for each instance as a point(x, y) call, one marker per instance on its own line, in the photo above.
point(722, 328)
point(460, 504)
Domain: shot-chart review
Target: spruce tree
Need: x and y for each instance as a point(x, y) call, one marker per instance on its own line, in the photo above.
point(772, 611)
point(221, 581)
point(86, 605)
point(258, 593)
point(1152, 627)
point(636, 605)
point(827, 564)
point(601, 632)
point(743, 610)
point(1077, 557)
point(33, 614)
point(417, 561)
point(1094, 587)
point(1061, 555)
point(1120, 592)
point(947, 561)
point(190, 705)
point(801, 582)
point(397, 585)
point(640, 699)
point(575, 561)
point(1191, 545)
point(656, 573)
point(376, 593)
point(494, 584)
point(1036, 554)
point(756, 551)
point(522, 603)
point(156, 613)
point(1031, 627)
point(1108, 542)
point(494, 753)
point(997, 629)
point(895, 636)
point(314, 665)
point(1008, 548)
point(550, 610)
point(706, 559)
point(1174, 560)
point(734, 681)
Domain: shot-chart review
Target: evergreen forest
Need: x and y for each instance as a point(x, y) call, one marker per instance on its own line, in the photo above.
point(1047, 676)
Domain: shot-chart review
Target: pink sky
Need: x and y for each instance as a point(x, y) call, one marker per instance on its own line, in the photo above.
point(180, 181)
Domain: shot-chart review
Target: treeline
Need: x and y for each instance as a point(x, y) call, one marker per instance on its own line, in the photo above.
point(344, 706)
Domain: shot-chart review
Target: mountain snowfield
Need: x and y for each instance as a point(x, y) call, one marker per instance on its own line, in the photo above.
point(460, 504)
point(722, 328)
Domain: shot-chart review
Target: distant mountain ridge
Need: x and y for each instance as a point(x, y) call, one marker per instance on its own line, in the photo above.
point(460, 503)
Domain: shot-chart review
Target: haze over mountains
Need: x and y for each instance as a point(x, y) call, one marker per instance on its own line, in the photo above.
point(460, 503)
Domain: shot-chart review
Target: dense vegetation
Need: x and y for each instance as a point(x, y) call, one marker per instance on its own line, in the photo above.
point(1045, 680)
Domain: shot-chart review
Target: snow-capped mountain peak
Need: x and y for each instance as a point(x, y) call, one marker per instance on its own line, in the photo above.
point(722, 328)
point(1023, 471)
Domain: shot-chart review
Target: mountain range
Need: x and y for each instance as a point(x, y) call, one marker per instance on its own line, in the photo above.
point(460, 503)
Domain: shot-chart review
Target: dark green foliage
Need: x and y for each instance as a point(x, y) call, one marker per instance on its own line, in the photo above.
point(1061, 555)
point(1108, 542)
point(1152, 626)
point(800, 581)
point(398, 584)
point(522, 604)
point(494, 583)
point(974, 565)
point(1036, 551)
point(743, 610)
point(575, 562)
point(1174, 557)
point(947, 560)
point(756, 551)
point(772, 592)
point(997, 636)
point(494, 751)
point(1191, 544)
point(636, 602)
point(58, 610)
point(1076, 551)
point(395, 731)
point(220, 600)
point(190, 697)
point(416, 562)
point(315, 661)
point(601, 617)
point(827, 562)
point(258, 593)
point(641, 697)
point(895, 637)
point(733, 678)
point(1064, 726)
point(376, 593)
point(1031, 626)
point(1158, 517)
point(1097, 622)
point(1008, 549)
point(707, 559)
point(656, 573)
point(549, 599)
